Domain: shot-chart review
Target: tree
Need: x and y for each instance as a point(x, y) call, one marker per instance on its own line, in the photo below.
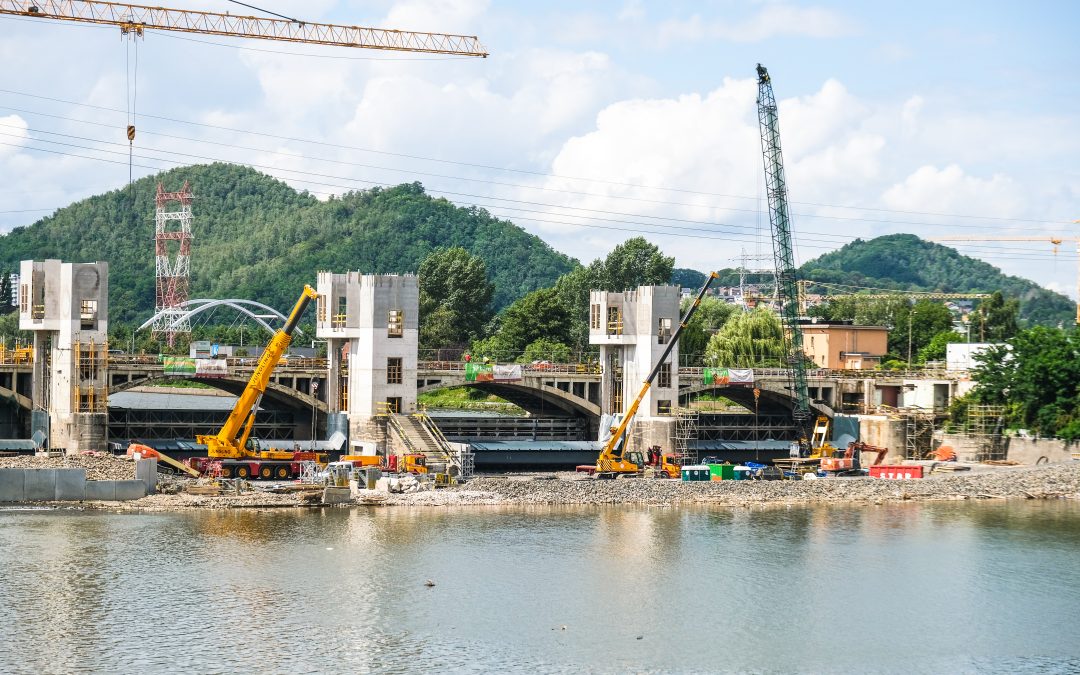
point(937, 348)
point(915, 325)
point(455, 298)
point(748, 339)
point(6, 306)
point(996, 318)
point(543, 349)
point(540, 314)
point(711, 315)
point(634, 263)
point(1036, 374)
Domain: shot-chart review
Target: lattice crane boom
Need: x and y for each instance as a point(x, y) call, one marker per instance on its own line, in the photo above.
point(138, 18)
point(783, 252)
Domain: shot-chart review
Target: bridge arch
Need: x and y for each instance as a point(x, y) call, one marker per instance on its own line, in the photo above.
point(530, 394)
point(16, 398)
point(774, 396)
point(278, 393)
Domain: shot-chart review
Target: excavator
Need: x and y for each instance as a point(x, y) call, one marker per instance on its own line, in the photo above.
point(233, 451)
point(615, 460)
point(851, 462)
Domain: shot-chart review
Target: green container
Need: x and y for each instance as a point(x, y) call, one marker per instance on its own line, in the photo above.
point(695, 473)
point(722, 471)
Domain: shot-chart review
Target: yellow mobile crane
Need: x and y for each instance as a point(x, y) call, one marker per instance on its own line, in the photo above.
point(614, 460)
point(233, 447)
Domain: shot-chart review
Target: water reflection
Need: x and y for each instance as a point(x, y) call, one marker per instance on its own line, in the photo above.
point(545, 589)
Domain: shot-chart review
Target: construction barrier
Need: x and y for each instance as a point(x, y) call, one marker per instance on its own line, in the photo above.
point(897, 472)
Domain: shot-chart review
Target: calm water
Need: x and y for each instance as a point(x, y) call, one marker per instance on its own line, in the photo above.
point(905, 588)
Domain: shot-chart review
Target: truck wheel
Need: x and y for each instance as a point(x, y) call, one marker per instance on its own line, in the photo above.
point(226, 472)
point(242, 472)
point(265, 472)
point(282, 472)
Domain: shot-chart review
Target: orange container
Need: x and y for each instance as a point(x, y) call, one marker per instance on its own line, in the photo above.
point(897, 472)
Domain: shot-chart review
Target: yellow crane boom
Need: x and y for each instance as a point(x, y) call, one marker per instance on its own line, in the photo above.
point(137, 18)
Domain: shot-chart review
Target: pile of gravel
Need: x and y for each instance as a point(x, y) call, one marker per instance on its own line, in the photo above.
point(99, 466)
point(1052, 481)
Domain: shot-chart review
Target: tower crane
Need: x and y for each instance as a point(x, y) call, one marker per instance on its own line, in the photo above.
point(787, 289)
point(1054, 239)
point(134, 19)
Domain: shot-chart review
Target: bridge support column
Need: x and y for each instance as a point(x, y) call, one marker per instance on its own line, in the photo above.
point(66, 305)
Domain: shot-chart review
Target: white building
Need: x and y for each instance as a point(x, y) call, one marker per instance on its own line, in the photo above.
point(66, 305)
point(633, 329)
point(371, 325)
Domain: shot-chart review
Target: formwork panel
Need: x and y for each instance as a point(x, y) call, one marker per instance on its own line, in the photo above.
point(100, 490)
point(12, 484)
point(130, 489)
point(39, 485)
point(70, 484)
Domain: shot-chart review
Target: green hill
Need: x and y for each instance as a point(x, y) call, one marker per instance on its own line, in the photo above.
point(257, 238)
point(906, 262)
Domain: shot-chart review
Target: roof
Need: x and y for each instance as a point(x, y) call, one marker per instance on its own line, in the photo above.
point(768, 444)
point(16, 444)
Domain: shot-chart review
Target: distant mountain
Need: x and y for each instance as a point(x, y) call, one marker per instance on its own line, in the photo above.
point(257, 238)
point(906, 262)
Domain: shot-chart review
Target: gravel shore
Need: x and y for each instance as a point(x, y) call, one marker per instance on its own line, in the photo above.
point(1052, 481)
point(1059, 481)
point(99, 466)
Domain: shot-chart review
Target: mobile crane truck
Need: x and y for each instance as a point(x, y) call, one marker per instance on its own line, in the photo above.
point(233, 448)
point(614, 460)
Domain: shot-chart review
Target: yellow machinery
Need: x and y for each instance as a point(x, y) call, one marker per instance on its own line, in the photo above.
point(614, 460)
point(239, 452)
point(819, 444)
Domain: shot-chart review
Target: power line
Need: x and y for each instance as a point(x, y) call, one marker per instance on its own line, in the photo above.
point(548, 175)
point(706, 234)
point(832, 239)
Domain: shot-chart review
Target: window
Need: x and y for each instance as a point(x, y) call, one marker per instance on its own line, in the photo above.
point(341, 312)
point(393, 370)
point(393, 404)
point(320, 309)
point(663, 333)
point(663, 407)
point(395, 323)
point(88, 313)
point(614, 321)
point(594, 317)
point(24, 298)
point(663, 378)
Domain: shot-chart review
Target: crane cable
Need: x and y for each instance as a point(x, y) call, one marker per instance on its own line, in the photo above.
point(130, 98)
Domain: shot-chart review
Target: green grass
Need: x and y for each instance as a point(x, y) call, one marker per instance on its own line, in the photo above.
point(467, 398)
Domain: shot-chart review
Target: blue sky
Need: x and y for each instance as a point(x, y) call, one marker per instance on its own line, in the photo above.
point(593, 122)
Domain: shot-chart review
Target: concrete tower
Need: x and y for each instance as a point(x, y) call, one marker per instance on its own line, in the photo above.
point(371, 325)
point(632, 329)
point(66, 305)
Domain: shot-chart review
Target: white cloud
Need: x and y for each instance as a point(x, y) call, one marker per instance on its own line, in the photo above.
point(951, 190)
point(13, 134)
point(771, 21)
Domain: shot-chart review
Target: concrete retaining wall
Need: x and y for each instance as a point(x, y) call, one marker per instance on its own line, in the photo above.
point(64, 485)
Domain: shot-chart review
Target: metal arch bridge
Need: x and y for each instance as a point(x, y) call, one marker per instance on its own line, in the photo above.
point(192, 308)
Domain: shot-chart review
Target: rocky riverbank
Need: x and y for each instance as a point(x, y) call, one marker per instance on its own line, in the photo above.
point(1058, 481)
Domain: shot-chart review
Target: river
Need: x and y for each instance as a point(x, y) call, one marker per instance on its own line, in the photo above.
point(905, 588)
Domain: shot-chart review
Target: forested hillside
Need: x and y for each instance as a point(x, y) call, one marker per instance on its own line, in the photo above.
point(906, 262)
point(257, 238)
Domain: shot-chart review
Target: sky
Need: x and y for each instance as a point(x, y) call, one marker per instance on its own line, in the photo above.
point(590, 123)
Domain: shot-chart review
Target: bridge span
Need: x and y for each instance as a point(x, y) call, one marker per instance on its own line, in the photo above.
point(543, 390)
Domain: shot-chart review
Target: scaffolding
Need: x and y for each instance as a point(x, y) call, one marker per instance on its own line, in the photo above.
point(686, 432)
point(918, 433)
point(985, 426)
